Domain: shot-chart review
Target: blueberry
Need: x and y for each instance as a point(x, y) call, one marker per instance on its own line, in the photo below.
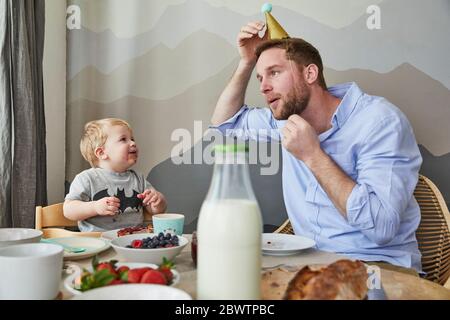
point(160, 234)
point(168, 236)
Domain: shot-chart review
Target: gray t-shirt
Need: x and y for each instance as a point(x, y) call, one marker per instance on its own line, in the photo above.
point(96, 183)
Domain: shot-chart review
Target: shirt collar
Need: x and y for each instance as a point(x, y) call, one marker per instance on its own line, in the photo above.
point(350, 94)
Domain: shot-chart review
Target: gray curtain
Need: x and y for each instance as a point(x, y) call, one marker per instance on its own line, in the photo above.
point(23, 174)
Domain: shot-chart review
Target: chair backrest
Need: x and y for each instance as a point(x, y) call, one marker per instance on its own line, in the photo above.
point(52, 222)
point(285, 228)
point(433, 234)
point(52, 216)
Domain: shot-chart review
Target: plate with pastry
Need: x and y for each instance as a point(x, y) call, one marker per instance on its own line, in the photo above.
point(278, 244)
point(341, 280)
point(112, 234)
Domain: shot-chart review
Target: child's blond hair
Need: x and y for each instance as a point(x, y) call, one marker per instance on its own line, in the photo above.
point(95, 136)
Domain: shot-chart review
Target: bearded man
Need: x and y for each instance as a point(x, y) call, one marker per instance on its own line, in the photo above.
point(350, 160)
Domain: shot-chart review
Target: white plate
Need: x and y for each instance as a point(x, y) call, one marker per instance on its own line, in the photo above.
point(109, 235)
point(69, 282)
point(134, 292)
point(112, 234)
point(92, 246)
point(278, 244)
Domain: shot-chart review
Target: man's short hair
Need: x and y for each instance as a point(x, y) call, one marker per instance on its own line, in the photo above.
point(95, 136)
point(298, 50)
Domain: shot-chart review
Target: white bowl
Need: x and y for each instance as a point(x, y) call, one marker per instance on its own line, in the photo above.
point(134, 292)
point(30, 271)
point(145, 255)
point(12, 236)
point(69, 283)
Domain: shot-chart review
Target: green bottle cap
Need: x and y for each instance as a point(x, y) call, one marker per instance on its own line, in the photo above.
point(229, 148)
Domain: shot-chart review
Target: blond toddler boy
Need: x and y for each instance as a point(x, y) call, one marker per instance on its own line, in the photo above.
point(110, 195)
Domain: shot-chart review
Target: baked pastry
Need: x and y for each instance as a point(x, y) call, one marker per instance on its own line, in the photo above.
point(133, 230)
point(341, 280)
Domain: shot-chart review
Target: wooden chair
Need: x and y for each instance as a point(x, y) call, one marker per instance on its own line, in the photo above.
point(433, 234)
point(52, 222)
point(285, 228)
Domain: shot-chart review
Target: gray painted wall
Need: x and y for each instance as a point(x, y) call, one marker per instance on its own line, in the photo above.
point(162, 64)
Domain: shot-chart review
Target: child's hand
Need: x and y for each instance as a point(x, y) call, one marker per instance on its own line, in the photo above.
point(107, 206)
point(154, 199)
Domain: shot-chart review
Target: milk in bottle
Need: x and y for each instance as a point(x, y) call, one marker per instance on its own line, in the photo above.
point(229, 231)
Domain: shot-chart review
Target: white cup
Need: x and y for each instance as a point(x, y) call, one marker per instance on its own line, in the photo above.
point(30, 271)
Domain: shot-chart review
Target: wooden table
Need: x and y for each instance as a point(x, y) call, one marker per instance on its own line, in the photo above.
point(398, 286)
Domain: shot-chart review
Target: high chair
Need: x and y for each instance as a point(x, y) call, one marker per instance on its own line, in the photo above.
point(52, 222)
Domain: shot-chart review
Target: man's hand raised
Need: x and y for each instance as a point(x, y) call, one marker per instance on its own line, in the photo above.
point(248, 39)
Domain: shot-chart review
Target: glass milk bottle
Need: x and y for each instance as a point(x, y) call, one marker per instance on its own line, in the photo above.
point(229, 231)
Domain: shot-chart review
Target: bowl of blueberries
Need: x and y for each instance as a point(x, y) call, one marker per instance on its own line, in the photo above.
point(149, 247)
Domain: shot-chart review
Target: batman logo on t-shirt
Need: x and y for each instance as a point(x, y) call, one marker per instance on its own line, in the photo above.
point(132, 202)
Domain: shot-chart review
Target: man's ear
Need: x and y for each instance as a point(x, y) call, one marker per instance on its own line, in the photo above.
point(310, 73)
point(100, 153)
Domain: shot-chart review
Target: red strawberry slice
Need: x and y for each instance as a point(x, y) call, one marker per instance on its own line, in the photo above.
point(154, 276)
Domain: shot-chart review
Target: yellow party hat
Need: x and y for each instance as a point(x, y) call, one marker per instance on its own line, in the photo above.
point(275, 30)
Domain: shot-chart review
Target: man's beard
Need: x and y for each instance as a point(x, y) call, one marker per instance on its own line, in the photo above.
point(295, 103)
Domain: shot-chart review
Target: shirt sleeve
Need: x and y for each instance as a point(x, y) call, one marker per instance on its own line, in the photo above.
point(80, 189)
point(250, 123)
point(387, 172)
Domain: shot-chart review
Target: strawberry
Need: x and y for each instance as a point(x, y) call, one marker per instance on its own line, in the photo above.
point(135, 275)
point(123, 273)
point(116, 281)
point(124, 276)
point(122, 269)
point(95, 280)
point(167, 274)
point(165, 269)
point(136, 244)
point(154, 276)
point(106, 266)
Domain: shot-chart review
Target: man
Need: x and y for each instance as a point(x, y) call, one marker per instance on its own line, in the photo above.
point(350, 160)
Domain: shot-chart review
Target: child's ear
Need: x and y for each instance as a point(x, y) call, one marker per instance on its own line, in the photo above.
point(100, 153)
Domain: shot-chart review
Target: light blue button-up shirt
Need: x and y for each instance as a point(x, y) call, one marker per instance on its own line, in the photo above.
point(373, 142)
